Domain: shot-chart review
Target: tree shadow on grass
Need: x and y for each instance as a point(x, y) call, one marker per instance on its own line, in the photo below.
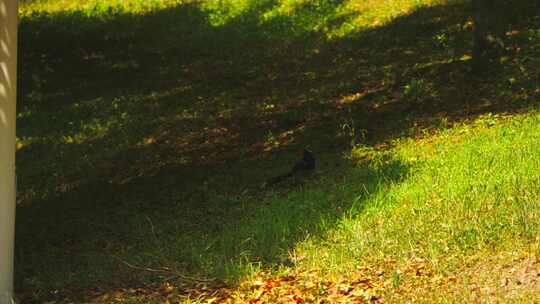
point(147, 137)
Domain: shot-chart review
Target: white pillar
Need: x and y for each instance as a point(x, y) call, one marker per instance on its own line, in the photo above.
point(8, 90)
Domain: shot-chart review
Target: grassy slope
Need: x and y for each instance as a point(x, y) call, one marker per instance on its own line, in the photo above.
point(131, 154)
point(469, 195)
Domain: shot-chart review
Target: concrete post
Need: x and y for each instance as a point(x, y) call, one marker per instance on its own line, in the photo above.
point(8, 90)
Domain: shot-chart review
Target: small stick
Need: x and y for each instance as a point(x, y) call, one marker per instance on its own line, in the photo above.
point(167, 271)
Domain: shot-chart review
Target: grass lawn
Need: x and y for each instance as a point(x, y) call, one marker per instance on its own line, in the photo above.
point(147, 130)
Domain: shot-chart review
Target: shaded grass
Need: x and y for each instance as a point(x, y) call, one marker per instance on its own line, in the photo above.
point(145, 132)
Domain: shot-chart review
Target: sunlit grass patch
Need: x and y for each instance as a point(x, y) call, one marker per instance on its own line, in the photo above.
point(333, 18)
point(366, 14)
point(94, 7)
point(467, 196)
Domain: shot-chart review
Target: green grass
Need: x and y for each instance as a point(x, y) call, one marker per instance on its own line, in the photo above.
point(468, 192)
point(146, 130)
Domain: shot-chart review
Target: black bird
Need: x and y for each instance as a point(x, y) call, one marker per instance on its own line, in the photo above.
point(304, 165)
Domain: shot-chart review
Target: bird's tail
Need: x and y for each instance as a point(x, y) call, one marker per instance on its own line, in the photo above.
point(279, 179)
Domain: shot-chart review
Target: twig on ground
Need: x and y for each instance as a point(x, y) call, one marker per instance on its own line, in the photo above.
point(165, 270)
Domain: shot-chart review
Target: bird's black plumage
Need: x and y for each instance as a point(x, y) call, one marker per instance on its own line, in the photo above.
point(307, 163)
point(304, 165)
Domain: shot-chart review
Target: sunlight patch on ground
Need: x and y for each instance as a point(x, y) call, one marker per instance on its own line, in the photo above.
point(95, 7)
point(374, 13)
